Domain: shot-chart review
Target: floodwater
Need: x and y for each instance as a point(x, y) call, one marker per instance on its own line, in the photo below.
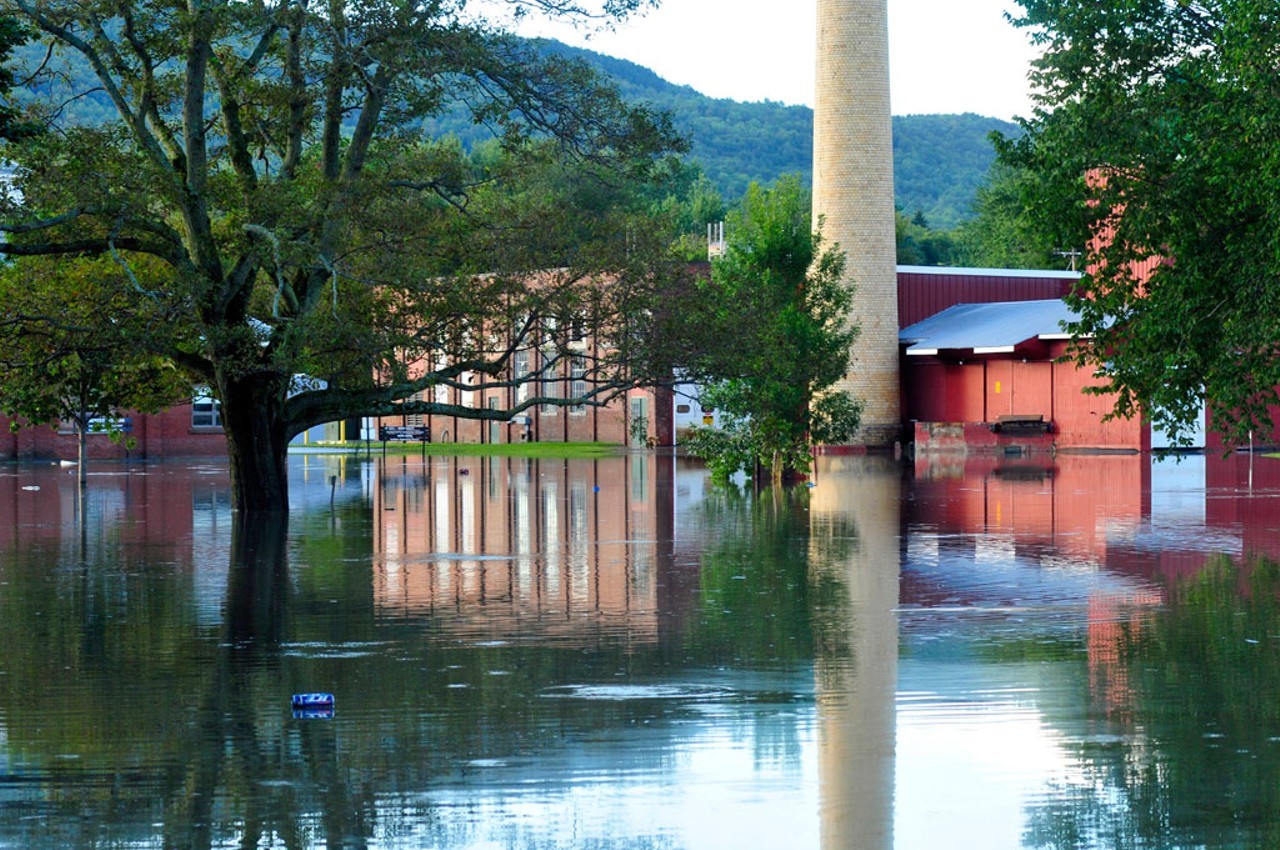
point(1081, 652)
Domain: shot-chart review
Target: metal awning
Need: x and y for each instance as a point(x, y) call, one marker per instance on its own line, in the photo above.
point(995, 328)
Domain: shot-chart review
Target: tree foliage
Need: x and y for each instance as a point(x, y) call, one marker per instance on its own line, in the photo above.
point(920, 245)
point(688, 201)
point(776, 331)
point(1155, 144)
point(60, 362)
point(1002, 234)
point(1183, 769)
point(273, 159)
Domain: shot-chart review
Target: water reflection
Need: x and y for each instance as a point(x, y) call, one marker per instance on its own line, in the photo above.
point(534, 654)
point(855, 519)
point(1040, 605)
point(547, 552)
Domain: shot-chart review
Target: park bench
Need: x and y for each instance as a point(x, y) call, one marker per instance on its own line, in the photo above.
point(1021, 424)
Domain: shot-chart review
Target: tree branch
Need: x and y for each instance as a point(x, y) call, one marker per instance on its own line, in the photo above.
point(146, 140)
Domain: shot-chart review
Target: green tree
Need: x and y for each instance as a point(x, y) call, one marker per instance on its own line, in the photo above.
point(273, 157)
point(920, 245)
point(12, 36)
point(776, 332)
point(1185, 767)
point(1001, 235)
point(1157, 132)
point(689, 201)
point(60, 362)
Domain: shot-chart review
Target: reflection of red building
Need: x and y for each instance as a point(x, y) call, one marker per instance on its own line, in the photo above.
point(42, 504)
point(505, 546)
point(1126, 513)
point(1103, 535)
point(1068, 508)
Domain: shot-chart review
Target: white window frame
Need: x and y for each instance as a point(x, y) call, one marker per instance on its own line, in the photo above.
point(206, 411)
point(578, 383)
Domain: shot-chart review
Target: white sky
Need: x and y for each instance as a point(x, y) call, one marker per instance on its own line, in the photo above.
point(945, 56)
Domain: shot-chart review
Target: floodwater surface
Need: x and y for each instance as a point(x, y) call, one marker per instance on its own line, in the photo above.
point(1081, 652)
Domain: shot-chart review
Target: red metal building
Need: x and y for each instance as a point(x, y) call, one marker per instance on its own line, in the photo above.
point(991, 377)
point(925, 291)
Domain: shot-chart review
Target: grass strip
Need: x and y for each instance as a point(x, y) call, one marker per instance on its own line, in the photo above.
point(534, 450)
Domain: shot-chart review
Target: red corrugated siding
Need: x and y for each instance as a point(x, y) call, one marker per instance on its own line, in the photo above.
point(922, 295)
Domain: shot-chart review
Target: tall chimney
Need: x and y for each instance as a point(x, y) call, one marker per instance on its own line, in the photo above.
point(853, 193)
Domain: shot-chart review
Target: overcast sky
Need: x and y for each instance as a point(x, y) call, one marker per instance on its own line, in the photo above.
point(945, 55)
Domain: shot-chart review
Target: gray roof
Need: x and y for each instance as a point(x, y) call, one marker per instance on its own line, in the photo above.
point(997, 326)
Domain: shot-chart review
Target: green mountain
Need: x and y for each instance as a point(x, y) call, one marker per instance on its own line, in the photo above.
point(939, 160)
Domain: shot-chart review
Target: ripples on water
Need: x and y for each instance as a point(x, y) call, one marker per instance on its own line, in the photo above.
point(610, 654)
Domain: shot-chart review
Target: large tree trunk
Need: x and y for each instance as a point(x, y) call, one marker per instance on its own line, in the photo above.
point(257, 442)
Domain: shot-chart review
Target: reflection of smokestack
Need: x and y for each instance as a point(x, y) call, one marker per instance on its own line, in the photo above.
point(853, 192)
point(858, 499)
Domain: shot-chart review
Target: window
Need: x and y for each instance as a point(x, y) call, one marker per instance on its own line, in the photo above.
point(520, 374)
point(549, 386)
point(467, 398)
point(440, 392)
point(416, 420)
point(206, 411)
point(578, 381)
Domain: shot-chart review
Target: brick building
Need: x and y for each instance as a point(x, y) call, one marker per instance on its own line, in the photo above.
point(191, 430)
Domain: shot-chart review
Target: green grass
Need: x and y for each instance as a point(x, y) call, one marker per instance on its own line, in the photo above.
point(549, 450)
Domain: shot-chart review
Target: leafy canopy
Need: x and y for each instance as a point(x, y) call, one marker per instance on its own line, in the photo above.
point(274, 160)
point(776, 331)
point(1155, 147)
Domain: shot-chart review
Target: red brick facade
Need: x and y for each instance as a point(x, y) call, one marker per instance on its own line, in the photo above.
point(166, 434)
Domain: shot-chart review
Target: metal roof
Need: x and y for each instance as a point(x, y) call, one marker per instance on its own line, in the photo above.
point(968, 271)
point(987, 328)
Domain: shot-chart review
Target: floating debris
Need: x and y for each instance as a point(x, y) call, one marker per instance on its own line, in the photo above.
point(312, 700)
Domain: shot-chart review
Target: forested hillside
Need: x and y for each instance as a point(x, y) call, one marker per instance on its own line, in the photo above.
point(939, 160)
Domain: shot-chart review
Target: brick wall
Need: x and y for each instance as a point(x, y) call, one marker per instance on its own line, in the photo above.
point(166, 434)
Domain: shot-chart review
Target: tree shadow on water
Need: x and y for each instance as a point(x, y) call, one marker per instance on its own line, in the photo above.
point(258, 772)
point(1185, 749)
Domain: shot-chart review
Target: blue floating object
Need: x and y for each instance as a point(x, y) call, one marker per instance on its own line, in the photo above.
point(313, 701)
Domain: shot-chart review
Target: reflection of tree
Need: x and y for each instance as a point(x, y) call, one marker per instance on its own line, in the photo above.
point(205, 754)
point(1198, 763)
point(209, 755)
point(759, 569)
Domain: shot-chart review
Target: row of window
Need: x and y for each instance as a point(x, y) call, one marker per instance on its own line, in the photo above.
point(550, 388)
point(206, 411)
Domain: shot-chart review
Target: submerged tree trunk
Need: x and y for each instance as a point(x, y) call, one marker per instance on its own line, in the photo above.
point(253, 419)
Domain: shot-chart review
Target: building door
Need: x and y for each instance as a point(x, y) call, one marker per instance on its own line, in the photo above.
point(638, 427)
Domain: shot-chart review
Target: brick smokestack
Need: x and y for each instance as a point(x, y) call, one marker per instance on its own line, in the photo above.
point(853, 193)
